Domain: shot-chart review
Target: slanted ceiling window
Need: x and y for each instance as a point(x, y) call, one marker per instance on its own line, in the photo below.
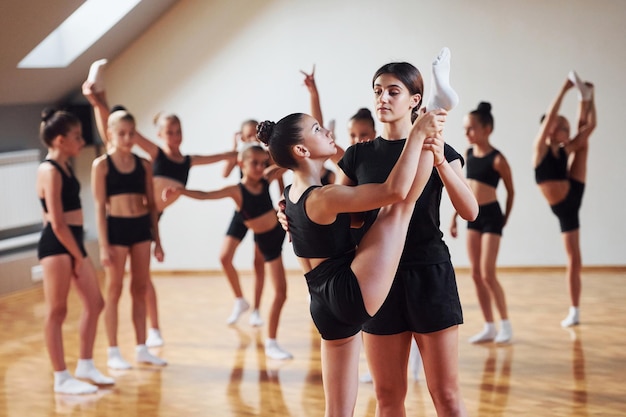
point(77, 33)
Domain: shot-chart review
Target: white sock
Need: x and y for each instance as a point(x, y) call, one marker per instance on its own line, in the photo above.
point(505, 334)
point(486, 335)
point(85, 369)
point(115, 360)
point(255, 318)
point(584, 91)
point(274, 351)
point(96, 75)
point(154, 338)
point(573, 317)
point(144, 356)
point(65, 383)
point(241, 305)
point(442, 95)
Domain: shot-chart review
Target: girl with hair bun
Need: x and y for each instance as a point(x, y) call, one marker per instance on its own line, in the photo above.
point(347, 284)
point(62, 254)
point(485, 167)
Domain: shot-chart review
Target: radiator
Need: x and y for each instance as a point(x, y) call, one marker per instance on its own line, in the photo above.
point(20, 209)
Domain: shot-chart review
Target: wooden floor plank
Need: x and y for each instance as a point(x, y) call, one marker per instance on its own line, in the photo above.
point(216, 370)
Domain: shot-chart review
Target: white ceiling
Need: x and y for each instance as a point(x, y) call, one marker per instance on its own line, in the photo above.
point(25, 23)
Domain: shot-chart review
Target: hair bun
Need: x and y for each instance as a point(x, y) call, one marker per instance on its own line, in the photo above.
point(363, 112)
point(47, 113)
point(484, 107)
point(264, 131)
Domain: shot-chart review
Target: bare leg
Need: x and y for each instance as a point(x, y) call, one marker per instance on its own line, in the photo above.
point(474, 251)
point(387, 358)
point(440, 354)
point(57, 272)
point(277, 274)
point(93, 304)
point(340, 364)
point(259, 276)
point(229, 246)
point(574, 266)
point(140, 276)
point(152, 306)
point(490, 244)
point(115, 281)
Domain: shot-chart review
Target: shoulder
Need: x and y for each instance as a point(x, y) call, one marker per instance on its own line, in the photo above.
point(451, 154)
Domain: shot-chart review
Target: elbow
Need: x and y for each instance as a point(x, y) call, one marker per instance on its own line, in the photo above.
point(469, 213)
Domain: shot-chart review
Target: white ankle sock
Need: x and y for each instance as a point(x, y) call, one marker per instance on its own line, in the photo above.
point(274, 351)
point(85, 369)
point(505, 334)
point(65, 383)
point(241, 305)
point(255, 319)
point(442, 95)
point(573, 317)
point(144, 356)
point(154, 338)
point(584, 91)
point(486, 335)
point(115, 360)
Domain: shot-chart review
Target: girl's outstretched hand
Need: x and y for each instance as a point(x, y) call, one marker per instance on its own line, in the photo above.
point(169, 193)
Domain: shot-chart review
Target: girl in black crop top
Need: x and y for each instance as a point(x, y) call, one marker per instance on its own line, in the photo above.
point(560, 163)
point(127, 225)
point(62, 254)
point(169, 168)
point(300, 143)
point(253, 201)
point(485, 166)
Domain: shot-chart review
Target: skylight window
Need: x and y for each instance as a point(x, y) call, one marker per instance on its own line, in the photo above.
point(77, 33)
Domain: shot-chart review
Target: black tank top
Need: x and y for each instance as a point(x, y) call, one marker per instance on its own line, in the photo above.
point(552, 167)
point(70, 189)
point(481, 169)
point(121, 183)
point(255, 205)
point(162, 166)
point(312, 240)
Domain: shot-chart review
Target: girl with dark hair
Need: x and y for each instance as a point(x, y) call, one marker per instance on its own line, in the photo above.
point(423, 303)
point(62, 254)
point(169, 168)
point(560, 172)
point(127, 225)
point(485, 166)
point(347, 284)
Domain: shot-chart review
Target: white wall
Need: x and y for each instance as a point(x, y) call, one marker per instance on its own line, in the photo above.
point(216, 63)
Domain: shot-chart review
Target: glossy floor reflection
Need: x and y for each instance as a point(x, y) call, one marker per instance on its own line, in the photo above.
point(217, 370)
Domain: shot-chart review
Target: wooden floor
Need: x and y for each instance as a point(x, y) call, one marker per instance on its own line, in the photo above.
point(216, 370)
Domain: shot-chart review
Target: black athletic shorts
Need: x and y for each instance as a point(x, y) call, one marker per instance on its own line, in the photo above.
point(422, 299)
point(270, 243)
point(237, 228)
point(337, 306)
point(49, 245)
point(490, 219)
point(127, 231)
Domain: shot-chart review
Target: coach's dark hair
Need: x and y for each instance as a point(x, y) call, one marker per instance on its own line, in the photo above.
point(364, 115)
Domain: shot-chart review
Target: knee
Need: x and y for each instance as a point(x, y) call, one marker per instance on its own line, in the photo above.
point(57, 313)
point(226, 259)
point(95, 306)
point(390, 395)
point(280, 296)
point(138, 288)
point(447, 400)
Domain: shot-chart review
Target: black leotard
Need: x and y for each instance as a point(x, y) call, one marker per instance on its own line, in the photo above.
point(125, 183)
point(70, 189)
